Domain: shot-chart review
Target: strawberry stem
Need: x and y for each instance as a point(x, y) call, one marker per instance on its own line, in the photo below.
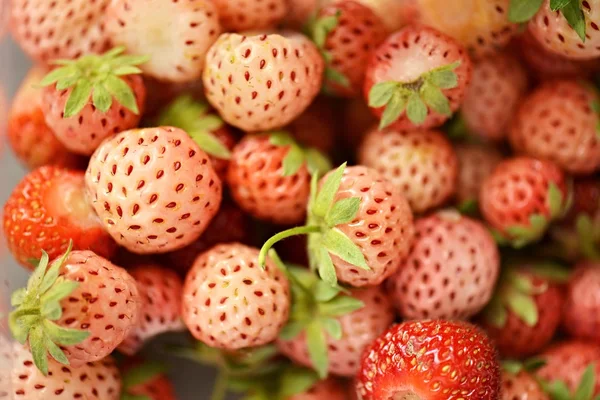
point(220, 387)
point(300, 230)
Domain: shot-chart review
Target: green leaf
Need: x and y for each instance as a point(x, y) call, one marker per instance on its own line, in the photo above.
point(143, 374)
point(101, 99)
point(558, 4)
point(51, 275)
point(17, 297)
point(393, 110)
point(512, 366)
point(333, 327)
point(18, 328)
point(468, 207)
point(551, 271)
point(325, 196)
point(64, 336)
point(495, 313)
point(435, 99)
point(340, 306)
point(523, 10)
point(573, 13)
point(343, 211)
point(51, 310)
point(293, 160)
point(122, 92)
point(296, 380)
point(127, 396)
point(533, 364)
point(38, 349)
point(281, 138)
point(381, 93)
point(210, 122)
point(336, 242)
point(524, 307)
point(416, 110)
point(587, 237)
point(557, 390)
point(55, 351)
point(317, 348)
point(127, 70)
point(292, 329)
point(555, 200)
point(35, 280)
point(316, 162)
point(520, 282)
point(61, 289)
point(322, 27)
point(68, 81)
point(325, 292)
point(78, 98)
point(585, 390)
point(210, 144)
point(326, 267)
point(445, 79)
point(57, 74)
point(337, 77)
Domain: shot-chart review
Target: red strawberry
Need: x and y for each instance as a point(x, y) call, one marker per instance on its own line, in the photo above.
point(581, 317)
point(346, 32)
point(429, 360)
point(359, 227)
point(154, 189)
point(566, 364)
point(521, 386)
point(329, 389)
point(317, 126)
point(146, 381)
point(85, 304)
point(230, 224)
point(160, 292)
point(94, 380)
point(499, 82)
point(526, 309)
point(269, 177)
point(422, 164)
point(418, 70)
point(50, 30)
point(545, 64)
point(30, 138)
point(571, 32)
point(46, 210)
point(451, 269)
point(475, 164)
point(482, 26)
point(521, 197)
point(372, 314)
point(230, 302)
point(177, 52)
point(559, 122)
point(206, 128)
point(240, 83)
point(239, 15)
point(78, 102)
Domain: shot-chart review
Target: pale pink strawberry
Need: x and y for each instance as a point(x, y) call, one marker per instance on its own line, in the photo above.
point(31, 140)
point(160, 292)
point(581, 316)
point(391, 12)
point(88, 306)
point(93, 380)
point(559, 122)
point(262, 82)
point(261, 186)
point(482, 26)
point(154, 189)
point(566, 361)
point(242, 15)
point(451, 271)
point(359, 329)
point(417, 78)
point(521, 197)
point(230, 302)
point(421, 164)
point(553, 32)
point(328, 389)
point(353, 31)
point(499, 83)
point(177, 50)
point(546, 65)
point(475, 163)
point(50, 30)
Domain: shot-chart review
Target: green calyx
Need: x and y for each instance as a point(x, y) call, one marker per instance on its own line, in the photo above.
point(588, 234)
point(193, 117)
point(141, 375)
point(318, 29)
point(416, 96)
point(36, 306)
point(516, 293)
point(523, 10)
point(468, 207)
point(519, 236)
point(558, 390)
point(324, 236)
point(98, 76)
point(595, 106)
point(297, 155)
point(515, 367)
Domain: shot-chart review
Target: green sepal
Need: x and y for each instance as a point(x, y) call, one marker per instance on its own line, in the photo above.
point(325, 266)
point(573, 13)
point(298, 155)
point(524, 307)
point(585, 390)
point(292, 329)
point(325, 196)
point(143, 374)
point(337, 243)
point(589, 237)
point(64, 336)
point(296, 380)
point(38, 349)
point(495, 313)
point(333, 327)
point(317, 348)
point(339, 306)
point(335, 76)
point(324, 292)
point(523, 10)
point(524, 235)
point(416, 110)
point(468, 207)
point(381, 93)
point(551, 271)
point(394, 108)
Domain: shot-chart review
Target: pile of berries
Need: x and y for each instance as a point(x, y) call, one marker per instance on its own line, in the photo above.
point(328, 199)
